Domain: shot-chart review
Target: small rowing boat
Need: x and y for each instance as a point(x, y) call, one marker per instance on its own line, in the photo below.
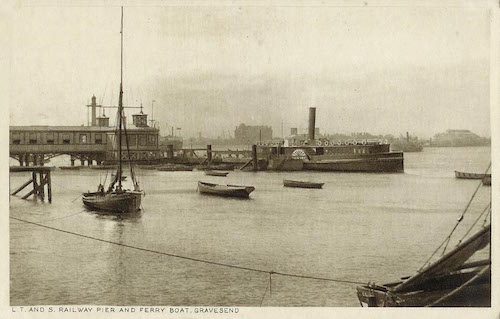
point(175, 168)
point(104, 167)
point(225, 190)
point(218, 167)
point(70, 168)
point(300, 184)
point(215, 173)
point(463, 175)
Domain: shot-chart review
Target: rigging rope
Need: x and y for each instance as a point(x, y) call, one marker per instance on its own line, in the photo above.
point(475, 222)
point(209, 262)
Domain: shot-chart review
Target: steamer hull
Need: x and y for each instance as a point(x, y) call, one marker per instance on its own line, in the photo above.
point(384, 163)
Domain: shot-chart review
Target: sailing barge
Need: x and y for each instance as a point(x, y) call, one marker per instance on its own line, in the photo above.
point(449, 282)
point(457, 279)
point(116, 198)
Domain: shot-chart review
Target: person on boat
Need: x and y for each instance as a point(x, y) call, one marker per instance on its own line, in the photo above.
point(100, 189)
point(111, 187)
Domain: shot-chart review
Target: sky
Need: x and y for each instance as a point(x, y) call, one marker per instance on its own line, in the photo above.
point(383, 70)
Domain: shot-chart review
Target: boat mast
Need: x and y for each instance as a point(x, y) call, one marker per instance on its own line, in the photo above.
point(120, 110)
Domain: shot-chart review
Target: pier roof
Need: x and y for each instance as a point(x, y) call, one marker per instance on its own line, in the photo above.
point(47, 128)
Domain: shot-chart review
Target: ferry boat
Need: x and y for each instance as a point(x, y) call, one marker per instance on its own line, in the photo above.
point(307, 152)
point(347, 156)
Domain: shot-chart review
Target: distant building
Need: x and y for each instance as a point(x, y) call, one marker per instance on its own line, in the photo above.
point(458, 138)
point(250, 134)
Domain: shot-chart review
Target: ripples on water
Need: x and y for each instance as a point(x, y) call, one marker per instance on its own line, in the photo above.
point(360, 227)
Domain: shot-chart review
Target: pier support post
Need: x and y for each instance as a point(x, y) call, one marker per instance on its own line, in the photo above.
point(49, 186)
point(82, 162)
point(40, 176)
point(72, 160)
point(41, 189)
point(35, 160)
point(209, 154)
point(254, 157)
point(35, 185)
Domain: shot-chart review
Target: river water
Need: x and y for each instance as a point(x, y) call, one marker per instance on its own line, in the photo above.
point(359, 227)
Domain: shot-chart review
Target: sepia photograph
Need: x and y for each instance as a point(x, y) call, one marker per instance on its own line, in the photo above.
point(237, 159)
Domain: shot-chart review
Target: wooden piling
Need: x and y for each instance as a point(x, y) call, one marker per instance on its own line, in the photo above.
point(40, 176)
point(254, 157)
point(209, 154)
point(49, 187)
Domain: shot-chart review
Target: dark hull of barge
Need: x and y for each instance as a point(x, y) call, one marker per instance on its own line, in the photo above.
point(383, 163)
point(451, 281)
point(356, 157)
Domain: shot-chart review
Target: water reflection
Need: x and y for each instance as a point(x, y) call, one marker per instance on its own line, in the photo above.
point(132, 217)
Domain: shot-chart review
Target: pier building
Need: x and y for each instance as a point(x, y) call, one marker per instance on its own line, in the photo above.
point(92, 144)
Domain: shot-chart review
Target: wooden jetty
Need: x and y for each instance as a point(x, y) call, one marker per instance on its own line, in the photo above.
point(40, 176)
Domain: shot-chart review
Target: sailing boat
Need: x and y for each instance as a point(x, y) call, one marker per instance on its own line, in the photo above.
point(454, 280)
point(116, 198)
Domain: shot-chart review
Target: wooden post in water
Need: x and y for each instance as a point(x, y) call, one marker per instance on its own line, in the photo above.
point(254, 157)
point(209, 154)
point(35, 184)
point(49, 186)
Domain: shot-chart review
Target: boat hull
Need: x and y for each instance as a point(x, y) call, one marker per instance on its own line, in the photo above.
point(299, 184)
point(390, 162)
point(175, 168)
point(215, 173)
point(220, 167)
point(128, 201)
point(464, 175)
point(446, 291)
point(225, 190)
point(70, 168)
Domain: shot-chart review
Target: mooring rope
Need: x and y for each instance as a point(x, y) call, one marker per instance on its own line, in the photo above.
point(264, 296)
point(56, 218)
point(189, 258)
point(66, 188)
